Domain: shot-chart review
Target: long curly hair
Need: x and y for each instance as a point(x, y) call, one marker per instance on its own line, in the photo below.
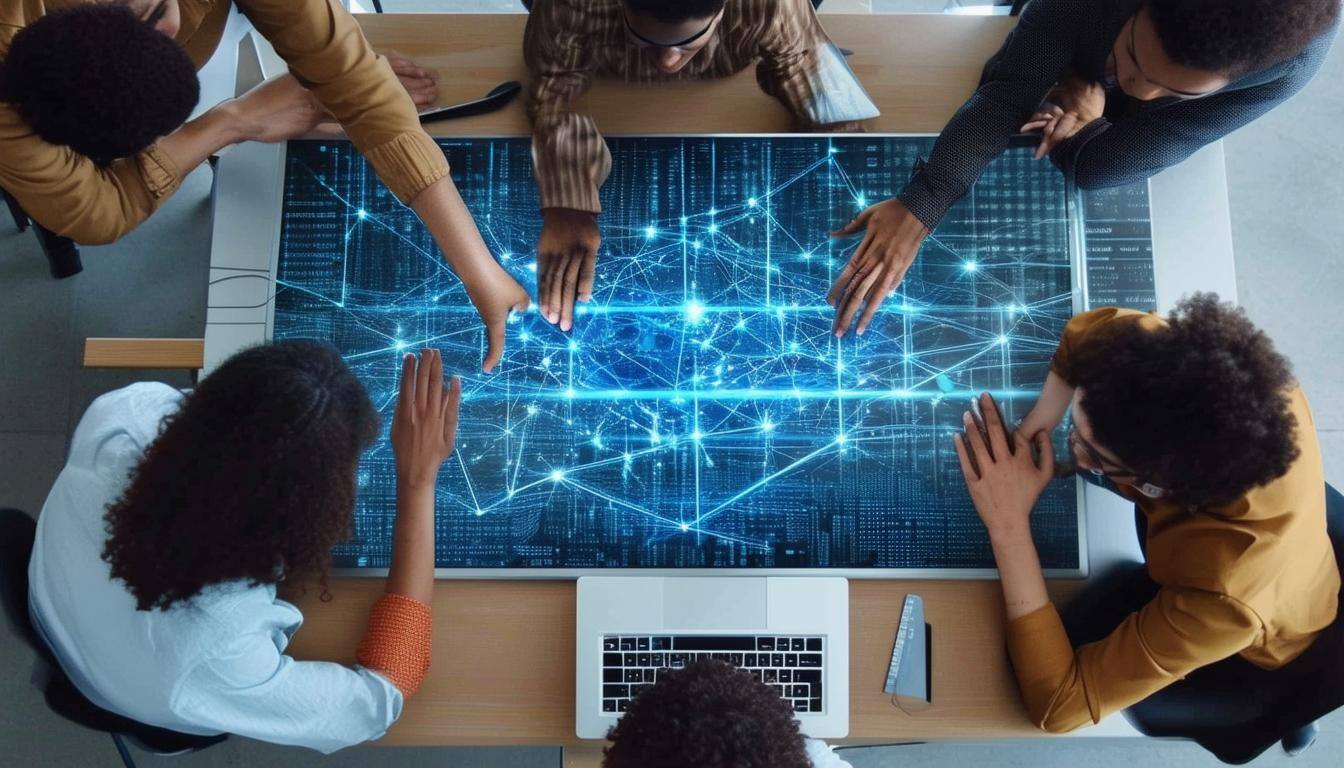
point(1199, 407)
point(99, 80)
point(708, 715)
point(252, 479)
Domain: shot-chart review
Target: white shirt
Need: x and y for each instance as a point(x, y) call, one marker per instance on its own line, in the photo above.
point(216, 664)
point(822, 756)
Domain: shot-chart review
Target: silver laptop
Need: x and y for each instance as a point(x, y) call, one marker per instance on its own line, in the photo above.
point(792, 633)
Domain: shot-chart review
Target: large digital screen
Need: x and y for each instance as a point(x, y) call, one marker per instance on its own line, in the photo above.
point(701, 414)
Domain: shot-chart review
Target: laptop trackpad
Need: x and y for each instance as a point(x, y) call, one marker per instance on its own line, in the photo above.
point(714, 603)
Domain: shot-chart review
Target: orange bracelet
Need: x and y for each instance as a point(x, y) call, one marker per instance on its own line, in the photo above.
point(397, 641)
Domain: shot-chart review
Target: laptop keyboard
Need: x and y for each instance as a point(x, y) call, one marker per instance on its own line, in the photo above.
point(791, 664)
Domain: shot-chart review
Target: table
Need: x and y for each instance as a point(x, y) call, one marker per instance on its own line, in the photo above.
point(504, 651)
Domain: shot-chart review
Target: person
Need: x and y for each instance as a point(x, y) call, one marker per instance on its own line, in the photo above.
point(158, 552)
point(1117, 89)
point(710, 714)
point(568, 42)
point(94, 101)
point(1196, 419)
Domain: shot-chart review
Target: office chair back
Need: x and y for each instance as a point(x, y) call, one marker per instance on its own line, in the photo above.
point(17, 533)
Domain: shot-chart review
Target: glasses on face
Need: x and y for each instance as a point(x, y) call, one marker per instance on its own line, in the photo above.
point(1097, 463)
point(1175, 95)
point(692, 43)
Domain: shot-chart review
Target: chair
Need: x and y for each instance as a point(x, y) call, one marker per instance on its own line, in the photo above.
point(1304, 690)
point(62, 255)
point(17, 532)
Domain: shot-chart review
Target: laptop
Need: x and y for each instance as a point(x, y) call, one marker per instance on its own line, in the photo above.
point(791, 633)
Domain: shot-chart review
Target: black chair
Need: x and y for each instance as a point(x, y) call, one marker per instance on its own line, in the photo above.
point(17, 531)
point(61, 252)
point(1286, 700)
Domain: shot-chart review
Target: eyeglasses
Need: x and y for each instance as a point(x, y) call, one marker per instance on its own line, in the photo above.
point(683, 46)
point(1094, 457)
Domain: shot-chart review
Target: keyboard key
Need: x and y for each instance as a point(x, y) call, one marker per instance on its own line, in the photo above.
point(799, 705)
point(807, 675)
point(776, 659)
point(622, 705)
point(627, 643)
point(611, 659)
point(814, 643)
point(632, 676)
point(713, 643)
point(770, 676)
point(611, 676)
point(665, 644)
point(779, 690)
point(786, 676)
point(749, 660)
point(608, 705)
point(642, 659)
point(615, 691)
point(790, 659)
point(814, 705)
point(816, 690)
point(809, 659)
point(797, 691)
point(642, 644)
point(631, 660)
point(757, 673)
point(611, 644)
point(796, 644)
point(650, 675)
point(676, 660)
point(781, 643)
point(735, 659)
point(658, 660)
point(765, 643)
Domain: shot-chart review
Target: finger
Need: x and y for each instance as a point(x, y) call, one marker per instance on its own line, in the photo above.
point(545, 263)
point(407, 396)
point(422, 382)
point(555, 281)
point(452, 400)
point(882, 291)
point(967, 468)
point(1033, 126)
point(569, 289)
point(434, 398)
point(855, 224)
point(998, 438)
point(1045, 465)
point(854, 299)
point(855, 264)
point(586, 269)
point(978, 448)
point(1044, 146)
point(494, 333)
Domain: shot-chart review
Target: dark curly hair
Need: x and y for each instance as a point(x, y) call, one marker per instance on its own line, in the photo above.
point(707, 715)
point(99, 80)
point(252, 479)
point(675, 11)
point(1238, 36)
point(1199, 407)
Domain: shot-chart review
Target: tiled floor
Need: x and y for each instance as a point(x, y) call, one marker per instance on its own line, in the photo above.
point(1286, 178)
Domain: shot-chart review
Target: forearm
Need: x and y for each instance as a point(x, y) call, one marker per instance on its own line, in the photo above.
point(1019, 570)
point(197, 140)
point(445, 215)
point(1050, 407)
point(412, 571)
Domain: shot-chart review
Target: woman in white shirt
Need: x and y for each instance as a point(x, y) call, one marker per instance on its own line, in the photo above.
point(153, 576)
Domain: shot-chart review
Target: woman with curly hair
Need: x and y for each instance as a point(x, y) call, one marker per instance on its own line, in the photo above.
point(1196, 419)
point(154, 572)
point(710, 714)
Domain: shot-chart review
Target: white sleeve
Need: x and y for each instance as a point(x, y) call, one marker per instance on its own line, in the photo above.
point(822, 756)
point(254, 690)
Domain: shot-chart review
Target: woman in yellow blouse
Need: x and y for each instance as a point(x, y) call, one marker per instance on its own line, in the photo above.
point(1197, 420)
point(92, 104)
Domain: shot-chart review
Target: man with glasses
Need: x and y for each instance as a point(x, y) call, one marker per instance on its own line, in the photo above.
point(568, 42)
point(1196, 419)
point(1117, 89)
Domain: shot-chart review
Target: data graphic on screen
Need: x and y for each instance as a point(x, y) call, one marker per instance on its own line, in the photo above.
point(701, 413)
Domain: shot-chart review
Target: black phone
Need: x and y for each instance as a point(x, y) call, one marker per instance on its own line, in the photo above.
point(498, 96)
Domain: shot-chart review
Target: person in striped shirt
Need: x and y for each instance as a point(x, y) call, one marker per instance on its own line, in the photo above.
point(568, 42)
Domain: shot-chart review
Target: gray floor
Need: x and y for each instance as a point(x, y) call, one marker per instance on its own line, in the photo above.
point(1286, 176)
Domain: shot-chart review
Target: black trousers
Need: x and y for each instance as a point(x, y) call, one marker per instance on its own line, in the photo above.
point(1232, 708)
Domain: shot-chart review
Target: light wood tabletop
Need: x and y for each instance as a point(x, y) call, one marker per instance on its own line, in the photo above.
point(503, 670)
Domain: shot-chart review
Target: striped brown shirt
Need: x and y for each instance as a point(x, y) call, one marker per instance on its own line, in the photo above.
point(568, 42)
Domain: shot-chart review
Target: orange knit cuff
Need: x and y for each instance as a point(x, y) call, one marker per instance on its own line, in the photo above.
point(397, 641)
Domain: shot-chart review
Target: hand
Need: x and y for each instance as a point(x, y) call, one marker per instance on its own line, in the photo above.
point(565, 257)
point(1001, 474)
point(277, 110)
point(495, 293)
point(421, 84)
point(878, 264)
point(424, 428)
point(1070, 106)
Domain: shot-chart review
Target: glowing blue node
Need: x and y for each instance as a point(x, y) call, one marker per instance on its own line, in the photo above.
point(505, 256)
point(650, 232)
point(741, 324)
point(524, 336)
point(862, 201)
point(713, 228)
point(697, 435)
point(684, 527)
point(1003, 339)
point(532, 267)
point(970, 266)
point(531, 410)
point(834, 150)
point(573, 346)
point(713, 211)
point(695, 311)
point(841, 438)
point(361, 213)
point(557, 475)
point(400, 345)
point(767, 426)
point(793, 346)
point(751, 202)
point(569, 393)
point(628, 457)
point(683, 219)
point(480, 512)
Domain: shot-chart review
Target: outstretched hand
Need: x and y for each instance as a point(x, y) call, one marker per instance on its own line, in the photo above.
point(566, 257)
point(424, 429)
point(494, 294)
point(888, 248)
point(1003, 476)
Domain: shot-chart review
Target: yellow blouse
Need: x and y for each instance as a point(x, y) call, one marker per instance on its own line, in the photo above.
point(325, 50)
point(1256, 577)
